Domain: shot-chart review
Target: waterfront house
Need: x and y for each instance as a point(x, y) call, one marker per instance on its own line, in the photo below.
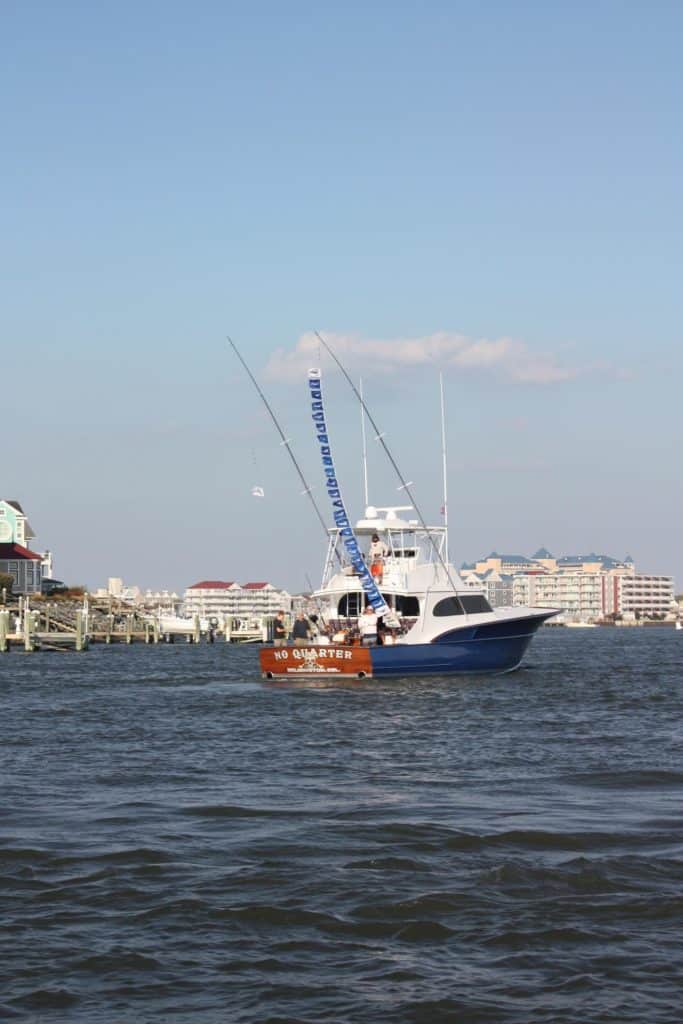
point(14, 526)
point(16, 558)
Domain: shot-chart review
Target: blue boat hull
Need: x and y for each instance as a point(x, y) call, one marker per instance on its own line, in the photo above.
point(492, 647)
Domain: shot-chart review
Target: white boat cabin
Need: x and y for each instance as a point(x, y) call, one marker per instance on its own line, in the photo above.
point(416, 576)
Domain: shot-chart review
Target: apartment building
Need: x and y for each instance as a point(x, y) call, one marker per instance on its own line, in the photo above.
point(642, 594)
point(218, 598)
point(497, 586)
point(587, 587)
point(581, 595)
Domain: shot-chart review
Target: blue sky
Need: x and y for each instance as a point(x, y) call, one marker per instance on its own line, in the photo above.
point(504, 177)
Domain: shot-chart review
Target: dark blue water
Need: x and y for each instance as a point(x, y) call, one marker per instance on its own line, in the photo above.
point(180, 842)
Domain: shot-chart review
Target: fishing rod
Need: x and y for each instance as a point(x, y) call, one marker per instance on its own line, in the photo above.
point(284, 442)
point(405, 485)
point(317, 600)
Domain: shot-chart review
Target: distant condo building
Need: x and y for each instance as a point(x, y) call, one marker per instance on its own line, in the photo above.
point(588, 587)
point(217, 598)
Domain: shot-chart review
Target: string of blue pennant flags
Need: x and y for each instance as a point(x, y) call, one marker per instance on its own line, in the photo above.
point(341, 518)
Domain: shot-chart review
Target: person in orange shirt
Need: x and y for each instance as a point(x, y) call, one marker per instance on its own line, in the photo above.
point(377, 552)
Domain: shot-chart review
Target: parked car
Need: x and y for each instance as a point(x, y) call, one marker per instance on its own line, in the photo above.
point(52, 587)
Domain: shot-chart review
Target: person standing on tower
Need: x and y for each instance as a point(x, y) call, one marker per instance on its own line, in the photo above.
point(377, 552)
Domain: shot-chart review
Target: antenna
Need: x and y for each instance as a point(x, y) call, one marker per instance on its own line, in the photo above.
point(405, 485)
point(445, 464)
point(365, 447)
point(284, 441)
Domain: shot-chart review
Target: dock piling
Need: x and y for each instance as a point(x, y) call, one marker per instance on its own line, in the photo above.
point(29, 640)
point(79, 631)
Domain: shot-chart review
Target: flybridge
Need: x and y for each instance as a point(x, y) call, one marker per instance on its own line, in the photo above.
point(339, 512)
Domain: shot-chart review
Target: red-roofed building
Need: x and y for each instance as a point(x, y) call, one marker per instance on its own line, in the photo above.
point(19, 560)
point(213, 585)
point(23, 565)
point(218, 599)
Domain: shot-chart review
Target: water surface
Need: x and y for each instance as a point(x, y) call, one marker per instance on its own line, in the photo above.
point(182, 842)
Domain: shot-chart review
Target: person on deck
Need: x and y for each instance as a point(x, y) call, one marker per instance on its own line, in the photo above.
point(279, 630)
point(301, 631)
point(377, 552)
point(367, 624)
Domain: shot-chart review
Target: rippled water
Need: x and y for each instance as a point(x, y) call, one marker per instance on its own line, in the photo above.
point(181, 842)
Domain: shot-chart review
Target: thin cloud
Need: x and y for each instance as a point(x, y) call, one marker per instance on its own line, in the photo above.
point(505, 356)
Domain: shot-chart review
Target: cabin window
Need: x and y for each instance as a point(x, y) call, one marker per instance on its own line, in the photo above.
point(472, 604)
point(407, 605)
point(448, 606)
point(475, 604)
point(349, 606)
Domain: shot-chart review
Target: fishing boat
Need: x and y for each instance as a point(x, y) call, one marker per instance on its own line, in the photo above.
point(429, 621)
point(437, 625)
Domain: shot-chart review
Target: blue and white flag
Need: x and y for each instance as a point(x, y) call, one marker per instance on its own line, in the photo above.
point(341, 518)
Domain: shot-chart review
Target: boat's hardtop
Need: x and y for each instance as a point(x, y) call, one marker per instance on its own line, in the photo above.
point(373, 521)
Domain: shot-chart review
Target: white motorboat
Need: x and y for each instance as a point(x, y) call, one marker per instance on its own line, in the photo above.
point(433, 622)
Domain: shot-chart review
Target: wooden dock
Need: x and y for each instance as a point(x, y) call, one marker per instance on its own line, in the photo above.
point(59, 626)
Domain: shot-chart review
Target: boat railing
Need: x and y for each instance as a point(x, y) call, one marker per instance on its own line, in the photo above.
point(349, 626)
point(408, 549)
point(396, 570)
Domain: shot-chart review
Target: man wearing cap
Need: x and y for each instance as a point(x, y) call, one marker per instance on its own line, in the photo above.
point(377, 552)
